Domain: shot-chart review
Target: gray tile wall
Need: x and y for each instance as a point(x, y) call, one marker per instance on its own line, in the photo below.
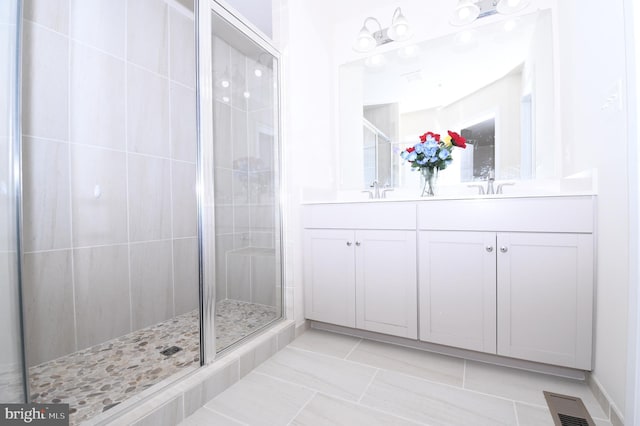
point(109, 169)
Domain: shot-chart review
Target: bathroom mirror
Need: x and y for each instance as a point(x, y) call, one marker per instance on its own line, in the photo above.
point(492, 83)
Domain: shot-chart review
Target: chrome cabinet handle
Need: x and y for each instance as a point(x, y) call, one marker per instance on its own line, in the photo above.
point(349, 243)
point(489, 249)
point(503, 249)
point(358, 243)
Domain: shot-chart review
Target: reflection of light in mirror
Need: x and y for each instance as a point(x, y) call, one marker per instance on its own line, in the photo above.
point(258, 72)
point(510, 25)
point(224, 83)
point(225, 99)
point(375, 61)
point(408, 51)
point(246, 94)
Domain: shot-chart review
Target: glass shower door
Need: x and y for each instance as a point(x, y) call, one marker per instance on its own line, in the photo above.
point(246, 169)
point(12, 387)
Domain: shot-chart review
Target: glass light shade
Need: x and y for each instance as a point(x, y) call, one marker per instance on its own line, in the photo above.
point(400, 29)
point(465, 13)
point(365, 41)
point(511, 6)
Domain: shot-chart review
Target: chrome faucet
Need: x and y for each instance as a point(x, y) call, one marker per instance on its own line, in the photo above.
point(490, 180)
point(490, 189)
point(377, 192)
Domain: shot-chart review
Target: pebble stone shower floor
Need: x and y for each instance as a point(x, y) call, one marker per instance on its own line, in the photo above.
point(98, 378)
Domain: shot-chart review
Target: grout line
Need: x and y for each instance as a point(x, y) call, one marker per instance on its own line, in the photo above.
point(515, 412)
point(353, 349)
point(313, 395)
point(464, 373)
point(224, 415)
point(375, 374)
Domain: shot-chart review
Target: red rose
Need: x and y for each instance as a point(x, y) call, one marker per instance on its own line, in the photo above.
point(411, 149)
point(457, 139)
point(423, 138)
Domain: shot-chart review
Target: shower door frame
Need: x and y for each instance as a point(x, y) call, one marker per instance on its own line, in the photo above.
point(205, 167)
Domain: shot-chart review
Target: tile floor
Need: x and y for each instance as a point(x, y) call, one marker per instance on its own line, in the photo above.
point(98, 378)
point(324, 378)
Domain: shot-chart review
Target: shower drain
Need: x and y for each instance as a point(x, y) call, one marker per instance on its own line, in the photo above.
point(170, 351)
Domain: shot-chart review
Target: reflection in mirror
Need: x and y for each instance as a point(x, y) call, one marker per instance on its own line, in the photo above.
point(493, 84)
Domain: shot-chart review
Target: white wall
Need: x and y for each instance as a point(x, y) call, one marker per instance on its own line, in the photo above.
point(594, 134)
point(308, 133)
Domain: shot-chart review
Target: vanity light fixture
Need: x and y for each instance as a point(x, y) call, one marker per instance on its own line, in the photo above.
point(467, 11)
point(399, 30)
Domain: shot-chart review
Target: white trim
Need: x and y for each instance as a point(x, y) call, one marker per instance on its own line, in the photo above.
point(632, 36)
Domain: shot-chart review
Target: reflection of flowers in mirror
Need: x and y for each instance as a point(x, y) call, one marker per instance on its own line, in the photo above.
point(432, 152)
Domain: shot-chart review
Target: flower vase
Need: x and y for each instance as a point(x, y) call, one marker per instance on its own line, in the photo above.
point(429, 176)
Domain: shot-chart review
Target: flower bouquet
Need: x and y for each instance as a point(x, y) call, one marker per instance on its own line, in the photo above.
point(431, 155)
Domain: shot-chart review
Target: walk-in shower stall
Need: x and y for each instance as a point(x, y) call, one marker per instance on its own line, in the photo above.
point(146, 241)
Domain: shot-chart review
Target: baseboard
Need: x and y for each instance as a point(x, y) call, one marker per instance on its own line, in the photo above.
point(615, 417)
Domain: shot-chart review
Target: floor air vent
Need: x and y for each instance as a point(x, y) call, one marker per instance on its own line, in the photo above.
point(568, 410)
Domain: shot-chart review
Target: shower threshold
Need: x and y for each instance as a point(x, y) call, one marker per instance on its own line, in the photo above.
point(98, 378)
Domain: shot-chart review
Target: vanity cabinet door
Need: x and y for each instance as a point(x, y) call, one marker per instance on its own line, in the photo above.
point(545, 295)
point(386, 292)
point(457, 284)
point(329, 270)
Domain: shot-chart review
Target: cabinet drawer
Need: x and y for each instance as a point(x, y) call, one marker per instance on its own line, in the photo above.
point(541, 214)
point(384, 215)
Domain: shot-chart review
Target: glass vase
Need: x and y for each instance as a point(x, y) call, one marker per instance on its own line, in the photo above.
point(429, 177)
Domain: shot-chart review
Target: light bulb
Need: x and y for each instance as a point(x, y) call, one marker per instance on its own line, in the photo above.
point(246, 94)
point(225, 99)
point(464, 13)
point(258, 72)
point(224, 83)
point(401, 29)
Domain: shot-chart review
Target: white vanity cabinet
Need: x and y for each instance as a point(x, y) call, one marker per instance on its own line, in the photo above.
point(525, 294)
point(364, 274)
point(457, 282)
point(545, 297)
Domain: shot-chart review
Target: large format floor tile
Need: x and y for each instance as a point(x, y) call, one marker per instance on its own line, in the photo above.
point(327, 411)
point(322, 373)
point(325, 342)
point(427, 365)
point(436, 404)
point(324, 378)
point(207, 417)
point(526, 386)
point(261, 400)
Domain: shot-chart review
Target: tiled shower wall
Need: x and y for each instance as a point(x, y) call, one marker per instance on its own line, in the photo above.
point(245, 176)
point(109, 169)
